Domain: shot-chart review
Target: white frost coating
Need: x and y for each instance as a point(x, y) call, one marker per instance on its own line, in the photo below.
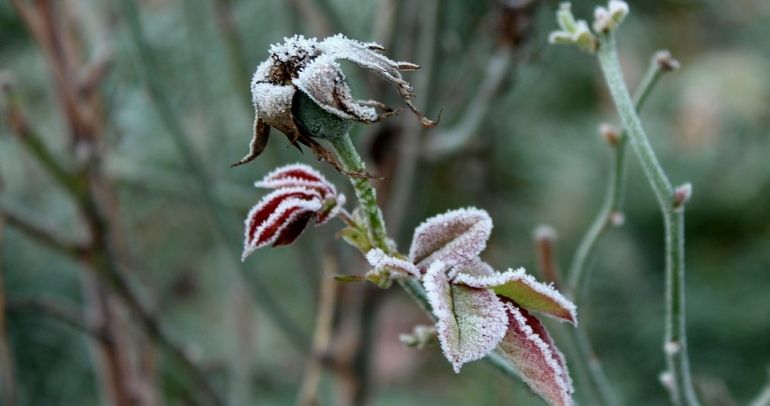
point(381, 261)
point(532, 373)
point(470, 322)
point(301, 206)
point(325, 83)
point(454, 237)
point(525, 281)
point(273, 102)
point(283, 177)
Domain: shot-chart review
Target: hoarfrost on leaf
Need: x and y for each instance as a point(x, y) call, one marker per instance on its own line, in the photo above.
point(383, 262)
point(525, 291)
point(528, 346)
point(470, 322)
point(455, 237)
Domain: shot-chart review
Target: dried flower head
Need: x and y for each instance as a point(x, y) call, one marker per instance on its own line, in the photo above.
point(301, 194)
point(311, 66)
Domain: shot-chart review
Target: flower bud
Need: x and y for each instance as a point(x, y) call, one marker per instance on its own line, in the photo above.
point(682, 195)
point(610, 134)
point(607, 19)
point(665, 61)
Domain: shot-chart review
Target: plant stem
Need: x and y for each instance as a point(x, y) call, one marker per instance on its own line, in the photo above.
point(579, 274)
point(613, 197)
point(675, 341)
point(365, 193)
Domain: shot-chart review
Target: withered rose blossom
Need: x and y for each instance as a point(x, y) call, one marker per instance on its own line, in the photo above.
point(301, 194)
point(311, 66)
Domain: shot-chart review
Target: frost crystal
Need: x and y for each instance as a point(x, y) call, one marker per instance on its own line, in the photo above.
point(384, 262)
point(470, 322)
point(525, 291)
point(529, 347)
point(300, 194)
point(455, 237)
point(311, 66)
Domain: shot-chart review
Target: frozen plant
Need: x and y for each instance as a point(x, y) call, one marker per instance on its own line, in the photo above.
point(307, 66)
point(479, 312)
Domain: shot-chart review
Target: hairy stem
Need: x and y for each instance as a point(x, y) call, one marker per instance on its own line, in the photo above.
point(365, 193)
point(675, 341)
point(613, 197)
point(579, 274)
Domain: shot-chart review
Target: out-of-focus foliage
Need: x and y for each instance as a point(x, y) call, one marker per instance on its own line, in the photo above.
point(535, 158)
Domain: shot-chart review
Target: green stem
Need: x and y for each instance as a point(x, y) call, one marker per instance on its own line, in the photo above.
point(613, 197)
point(675, 341)
point(579, 274)
point(365, 193)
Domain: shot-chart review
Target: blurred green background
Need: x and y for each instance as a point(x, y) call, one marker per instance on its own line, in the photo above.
point(527, 114)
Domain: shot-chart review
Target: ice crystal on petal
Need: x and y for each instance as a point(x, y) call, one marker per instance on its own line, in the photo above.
point(297, 175)
point(384, 262)
point(525, 291)
point(470, 322)
point(311, 66)
point(324, 82)
point(529, 347)
point(455, 237)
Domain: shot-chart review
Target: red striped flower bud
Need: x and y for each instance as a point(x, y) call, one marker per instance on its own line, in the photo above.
point(301, 194)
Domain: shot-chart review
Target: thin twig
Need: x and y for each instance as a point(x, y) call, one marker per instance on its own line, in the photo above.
point(409, 143)
point(7, 367)
point(611, 209)
point(453, 139)
point(672, 209)
point(59, 310)
point(73, 249)
point(324, 323)
point(613, 197)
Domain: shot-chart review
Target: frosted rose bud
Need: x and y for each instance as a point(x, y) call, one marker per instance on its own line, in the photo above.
point(300, 194)
point(308, 67)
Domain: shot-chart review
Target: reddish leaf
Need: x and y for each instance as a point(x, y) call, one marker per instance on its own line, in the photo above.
point(455, 237)
point(528, 346)
point(524, 290)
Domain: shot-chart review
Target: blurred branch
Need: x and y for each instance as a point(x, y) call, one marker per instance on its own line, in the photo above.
point(545, 248)
point(763, 399)
point(324, 324)
point(34, 145)
point(452, 140)
point(228, 29)
point(7, 367)
point(163, 106)
point(59, 310)
point(409, 145)
point(320, 16)
point(43, 236)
